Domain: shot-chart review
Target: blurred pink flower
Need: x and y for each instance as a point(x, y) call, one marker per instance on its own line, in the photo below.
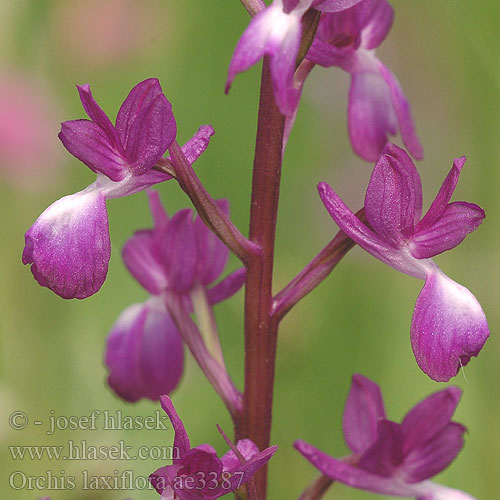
point(99, 32)
point(29, 123)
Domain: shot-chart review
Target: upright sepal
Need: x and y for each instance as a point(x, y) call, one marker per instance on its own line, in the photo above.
point(363, 411)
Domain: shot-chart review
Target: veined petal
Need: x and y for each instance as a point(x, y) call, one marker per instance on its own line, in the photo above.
point(181, 439)
point(198, 143)
point(144, 352)
point(139, 98)
point(402, 110)
point(393, 201)
point(141, 256)
point(444, 195)
point(435, 455)
point(151, 133)
point(212, 253)
point(371, 116)
point(456, 221)
point(448, 327)
point(426, 419)
point(227, 287)
point(68, 245)
point(179, 252)
point(98, 116)
point(352, 475)
point(366, 238)
point(88, 142)
point(385, 455)
point(363, 410)
point(199, 463)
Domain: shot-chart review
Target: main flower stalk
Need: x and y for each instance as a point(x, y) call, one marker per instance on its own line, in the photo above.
point(260, 327)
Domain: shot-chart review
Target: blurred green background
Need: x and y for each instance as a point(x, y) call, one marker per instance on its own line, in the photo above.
point(446, 56)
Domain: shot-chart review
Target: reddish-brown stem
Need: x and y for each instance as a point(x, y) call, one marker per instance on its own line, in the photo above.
point(317, 489)
point(260, 329)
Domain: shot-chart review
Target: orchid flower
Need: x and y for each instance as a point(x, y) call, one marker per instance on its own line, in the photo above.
point(198, 473)
point(68, 246)
point(377, 106)
point(394, 459)
point(277, 31)
point(144, 350)
point(448, 325)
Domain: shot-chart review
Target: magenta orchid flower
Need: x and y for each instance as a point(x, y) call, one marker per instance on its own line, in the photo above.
point(198, 473)
point(144, 351)
point(394, 459)
point(448, 325)
point(276, 32)
point(68, 246)
point(377, 106)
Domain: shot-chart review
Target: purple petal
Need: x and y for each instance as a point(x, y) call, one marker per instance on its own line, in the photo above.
point(231, 462)
point(393, 201)
point(378, 22)
point(401, 107)
point(181, 439)
point(140, 255)
point(253, 43)
point(68, 245)
point(426, 419)
point(448, 327)
point(370, 115)
point(334, 5)
point(89, 143)
point(162, 479)
point(179, 252)
point(198, 143)
point(144, 353)
point(363, 410)
point(160, 217)
point(283, 67)
point(244, 472)
point(449, 230)
point(444, 195)
point(140, 97)
point(198, 463)
point(324, 54)
point(151, 134)
point(385, 455)
point(352, 475)
point(277, 34)
point(365, 237)
point(435, 455)
point(212, 253)
point(98, 116)
point(227, 287)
